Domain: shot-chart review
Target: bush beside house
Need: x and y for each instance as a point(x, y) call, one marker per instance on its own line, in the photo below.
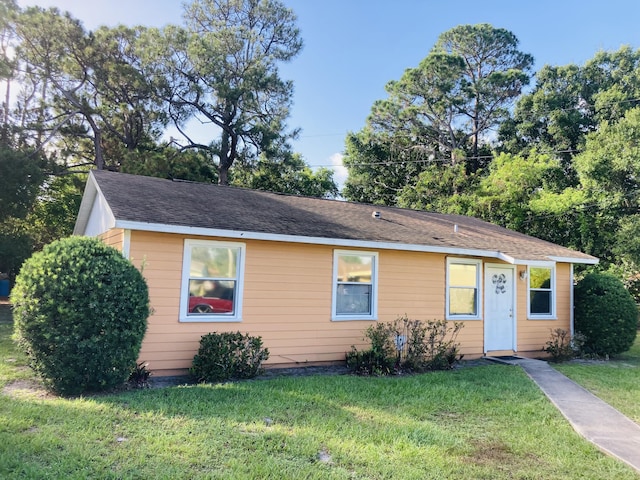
point(228, 355)
point(606, 314)
point(407, 346)
point(80, 312)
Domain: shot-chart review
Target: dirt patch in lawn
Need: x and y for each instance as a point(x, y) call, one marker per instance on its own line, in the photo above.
point(20, 389)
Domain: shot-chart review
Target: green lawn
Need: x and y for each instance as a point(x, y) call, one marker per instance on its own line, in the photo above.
point(5, 313)
point(478, 422)
point(616, 381)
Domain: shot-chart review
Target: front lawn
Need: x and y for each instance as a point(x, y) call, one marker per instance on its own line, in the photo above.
point(477, 422)
point(616, 381)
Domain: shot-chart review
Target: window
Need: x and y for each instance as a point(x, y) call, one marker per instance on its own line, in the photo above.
point(463, 289)
point(212, 275)
point(355, 283)
point(541, 288)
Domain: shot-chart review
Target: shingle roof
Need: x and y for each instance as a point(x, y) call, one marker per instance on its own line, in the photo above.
point(154, 201)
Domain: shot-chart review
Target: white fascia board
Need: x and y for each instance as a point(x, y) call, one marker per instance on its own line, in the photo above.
point(571, 304)
point(337, 242)
point(545, 263)
point(95, 215)
point(507, 258)
point(538, 263)
point(86, 205)
point(584, 261)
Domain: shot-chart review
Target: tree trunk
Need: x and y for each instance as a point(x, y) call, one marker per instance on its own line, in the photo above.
point(228, 149)
point(476, 125)
point(223, 175)
point(97, 142)
point(223, 165)
point(4, 131)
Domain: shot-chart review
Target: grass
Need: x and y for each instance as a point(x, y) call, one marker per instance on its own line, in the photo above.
point(5, 313)
point(478, 422)
point(616, 381)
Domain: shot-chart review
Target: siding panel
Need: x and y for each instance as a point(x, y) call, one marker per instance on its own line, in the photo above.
point(287, 301)
point(534, 334)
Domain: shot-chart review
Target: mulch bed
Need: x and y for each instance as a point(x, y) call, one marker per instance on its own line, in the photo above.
point(178, 380)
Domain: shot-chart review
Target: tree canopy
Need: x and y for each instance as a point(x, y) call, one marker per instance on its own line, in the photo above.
point(76, 99)
point(222, 68)
point(107, 97)
point(457, 134)
point(438, 115)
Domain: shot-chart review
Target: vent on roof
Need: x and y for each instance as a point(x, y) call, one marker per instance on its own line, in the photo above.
point(455, 229)
point(375, 214)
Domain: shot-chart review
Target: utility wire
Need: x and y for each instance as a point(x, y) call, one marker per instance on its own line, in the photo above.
point(392, 161)
point(581, 105)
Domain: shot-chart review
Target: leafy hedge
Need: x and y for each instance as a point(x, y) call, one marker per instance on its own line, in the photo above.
point(80, 313)
point(407, 346)
point(223, 356)
point(606, 314)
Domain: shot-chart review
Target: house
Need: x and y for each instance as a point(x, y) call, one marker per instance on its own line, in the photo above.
point(309, 275)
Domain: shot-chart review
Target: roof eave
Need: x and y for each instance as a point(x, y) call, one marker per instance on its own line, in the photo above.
point(582, 261)
point(338, 242)
point(86, 204)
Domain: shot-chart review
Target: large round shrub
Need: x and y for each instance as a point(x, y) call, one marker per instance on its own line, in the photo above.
point(80, 312)
point(606, 314)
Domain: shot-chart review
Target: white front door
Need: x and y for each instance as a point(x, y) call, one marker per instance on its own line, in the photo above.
point(499, 308)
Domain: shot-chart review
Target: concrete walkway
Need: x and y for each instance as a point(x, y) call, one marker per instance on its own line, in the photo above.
point(597, 421)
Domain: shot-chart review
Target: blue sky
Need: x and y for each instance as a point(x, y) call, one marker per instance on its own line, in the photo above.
point(354, 47)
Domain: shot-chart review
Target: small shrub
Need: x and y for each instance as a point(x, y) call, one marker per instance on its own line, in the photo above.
point(430, 345)
point(369, 362)
point(407, 346)
point(230, 355)
point(80, 311)
point(377, 360)
point(562, 347)
point(139, 376)
point(606, 314)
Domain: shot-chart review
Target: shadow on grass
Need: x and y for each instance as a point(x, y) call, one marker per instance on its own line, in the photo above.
point(316, 427)
point(5, 313)
point(484, 422)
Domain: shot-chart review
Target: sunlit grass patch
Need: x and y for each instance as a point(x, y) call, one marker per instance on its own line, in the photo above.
point(480, 422)
point(616, 381)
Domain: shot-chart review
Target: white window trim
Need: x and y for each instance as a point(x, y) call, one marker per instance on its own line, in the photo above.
point(374, 287)
point(479, 296)
point(554, 294)
point(184, 288)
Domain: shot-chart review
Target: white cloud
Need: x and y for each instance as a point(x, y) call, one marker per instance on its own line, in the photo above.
point(340, 172)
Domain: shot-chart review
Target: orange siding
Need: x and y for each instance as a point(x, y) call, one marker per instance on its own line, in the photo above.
point(534, 334)
point(114, 238)
point(287, 301)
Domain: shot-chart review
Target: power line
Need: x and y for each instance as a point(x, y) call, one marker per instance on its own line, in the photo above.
point(432, 160)
point(581, 105)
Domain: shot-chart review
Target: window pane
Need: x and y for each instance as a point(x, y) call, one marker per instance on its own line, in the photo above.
point(355, 268)
point(540, 277)
point(213, 262)
point(353, 300)
point(462, 301)
point(211, 296)
point(540, 302)
point(462, 275)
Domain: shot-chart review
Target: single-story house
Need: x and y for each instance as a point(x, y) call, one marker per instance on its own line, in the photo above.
point(309, 275)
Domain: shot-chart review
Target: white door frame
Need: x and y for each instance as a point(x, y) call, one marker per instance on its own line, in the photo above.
point(514, 315)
